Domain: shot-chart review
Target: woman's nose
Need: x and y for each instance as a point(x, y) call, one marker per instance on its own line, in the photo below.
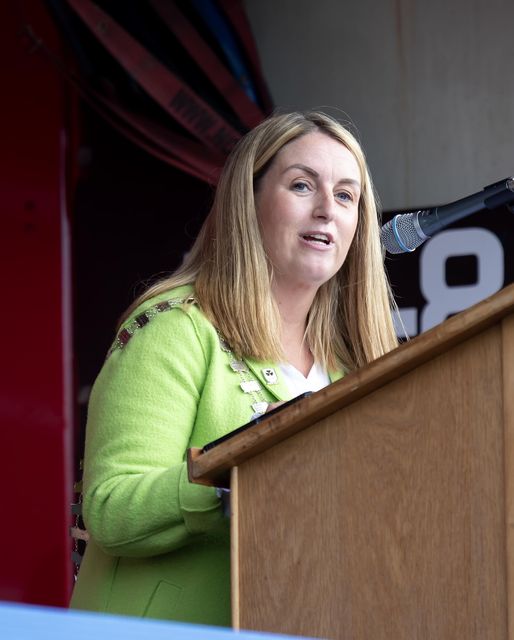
point(324, 205)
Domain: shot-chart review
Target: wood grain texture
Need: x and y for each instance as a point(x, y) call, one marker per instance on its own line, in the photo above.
point(385, 519)
point(234, 548)
point(508, 417)
point(213, 467)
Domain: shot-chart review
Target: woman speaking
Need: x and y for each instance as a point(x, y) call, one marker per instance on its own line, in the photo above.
point(284, 290)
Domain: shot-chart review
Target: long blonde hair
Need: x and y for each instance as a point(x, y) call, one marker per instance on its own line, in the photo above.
point(349, 323)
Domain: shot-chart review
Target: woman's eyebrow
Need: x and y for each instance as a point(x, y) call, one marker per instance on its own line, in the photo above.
point(303, 167)
point(315, 174)
point(350, 181)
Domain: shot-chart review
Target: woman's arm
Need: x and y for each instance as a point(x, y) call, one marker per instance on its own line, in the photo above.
point(137, 498)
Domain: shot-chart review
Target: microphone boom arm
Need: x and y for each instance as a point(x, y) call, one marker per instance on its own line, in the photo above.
point(406, 232)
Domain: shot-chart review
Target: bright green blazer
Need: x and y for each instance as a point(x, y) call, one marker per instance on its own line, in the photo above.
point(160, 545)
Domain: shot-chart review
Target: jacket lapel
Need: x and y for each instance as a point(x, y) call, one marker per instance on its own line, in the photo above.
point(278, 389)
point(335, 375)
point(267, 372)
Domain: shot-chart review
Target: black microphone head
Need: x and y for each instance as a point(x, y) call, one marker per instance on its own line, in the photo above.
point(402, 234)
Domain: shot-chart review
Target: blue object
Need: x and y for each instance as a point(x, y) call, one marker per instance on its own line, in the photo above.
point(221, 30)
point(29, 622)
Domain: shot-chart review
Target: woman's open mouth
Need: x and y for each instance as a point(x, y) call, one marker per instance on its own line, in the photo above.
point(318, 238)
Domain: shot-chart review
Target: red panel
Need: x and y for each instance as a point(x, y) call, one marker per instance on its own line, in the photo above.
point(36, 372)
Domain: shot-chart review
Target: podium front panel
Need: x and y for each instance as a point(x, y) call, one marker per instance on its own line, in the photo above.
point(386, 519)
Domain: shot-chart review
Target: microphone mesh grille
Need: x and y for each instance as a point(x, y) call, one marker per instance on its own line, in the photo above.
point(406, 237)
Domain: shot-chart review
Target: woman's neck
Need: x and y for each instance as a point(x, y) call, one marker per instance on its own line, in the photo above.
point(294, 307)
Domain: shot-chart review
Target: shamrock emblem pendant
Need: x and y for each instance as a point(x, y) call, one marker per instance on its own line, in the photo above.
point(269, 375)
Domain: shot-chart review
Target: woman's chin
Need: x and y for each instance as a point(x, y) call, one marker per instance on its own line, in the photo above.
point(305, 280)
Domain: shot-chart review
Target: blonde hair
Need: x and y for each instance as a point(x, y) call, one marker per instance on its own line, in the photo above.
point(349, 323)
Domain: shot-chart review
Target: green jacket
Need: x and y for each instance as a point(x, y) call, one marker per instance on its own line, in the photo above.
point(160, 545)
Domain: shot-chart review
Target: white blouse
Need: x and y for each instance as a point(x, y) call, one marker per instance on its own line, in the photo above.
point(298, 383)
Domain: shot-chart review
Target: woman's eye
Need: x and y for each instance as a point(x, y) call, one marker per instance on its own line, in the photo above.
point(300, 186)
point(344, 196)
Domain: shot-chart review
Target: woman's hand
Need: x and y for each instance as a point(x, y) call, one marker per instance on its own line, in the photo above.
point(274, 405)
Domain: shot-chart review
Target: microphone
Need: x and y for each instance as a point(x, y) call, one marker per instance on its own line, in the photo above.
point(407, 231)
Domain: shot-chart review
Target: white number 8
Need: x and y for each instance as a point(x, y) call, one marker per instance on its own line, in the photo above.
point(443, 300)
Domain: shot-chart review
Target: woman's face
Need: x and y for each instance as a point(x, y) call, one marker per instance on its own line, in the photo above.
point(307, 206)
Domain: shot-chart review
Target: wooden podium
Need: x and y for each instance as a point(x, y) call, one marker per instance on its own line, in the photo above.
point(383, 505)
